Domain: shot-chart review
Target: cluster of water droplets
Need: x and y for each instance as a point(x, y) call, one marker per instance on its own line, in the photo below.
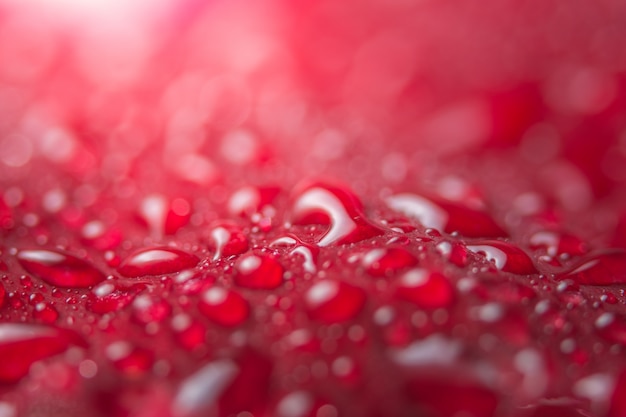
point(302, 315)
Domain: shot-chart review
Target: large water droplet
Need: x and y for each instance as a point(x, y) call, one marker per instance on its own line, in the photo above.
point(157, 261)
point(599, 269)
point(60, 269)
point(227, 239)
point(129, 359)
point(387, 261)
point(224, 307)
point(505, 256)
point(338, 207)
point(426, 289)
point(21, 345)
point(333, 301)
point(445, 216)
point(258, 271)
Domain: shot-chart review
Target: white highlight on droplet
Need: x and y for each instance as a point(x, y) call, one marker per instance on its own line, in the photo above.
point(421, 209)
point(319, 199)
point(491, 253)
point(202, 388)
point(434, 350)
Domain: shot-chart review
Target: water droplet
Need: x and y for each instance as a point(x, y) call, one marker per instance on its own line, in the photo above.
point(157, 261)
point(150, 309)
point(612, 328)
point(202, 388)
point(251, 200)
point(433, 350)
point(337, 207)
point(224, 307)
point(189, 333)
point(258, 271)
point(131, 360)
point(446, 216)
point(427, 213)
point(21, 345)
point(60, 269)
point(227, 239)
point(557, 244)
point(388, 261)
point(599, 269)
point(505, 256)
point(296, 404)
point(306, 251)
point(46, 313)
point(333, 301)
point(101, 237)
point(429, 290)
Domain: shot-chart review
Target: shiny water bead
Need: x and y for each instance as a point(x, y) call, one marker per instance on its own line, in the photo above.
point(21, 345)
point(426, 289)
point(129, 359)
point(387, 261)
point(224, 307)
point(59, 268)
point(100, 236)
point(337, 207)
point(227, 239)
point(191, 334)
point(612, 328)
point(505, 256)
point(557, 244)
point(445, 216)
point(45, 313)
point(605, 268)
point(332, 301)
point(150, 309)
point(250, 200)
point(157, 261)
point(258, 271)
point(163, 215)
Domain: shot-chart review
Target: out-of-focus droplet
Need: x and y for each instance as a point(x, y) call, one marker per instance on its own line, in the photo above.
point(224, 307)
point(258, 271)
point(332, 301)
